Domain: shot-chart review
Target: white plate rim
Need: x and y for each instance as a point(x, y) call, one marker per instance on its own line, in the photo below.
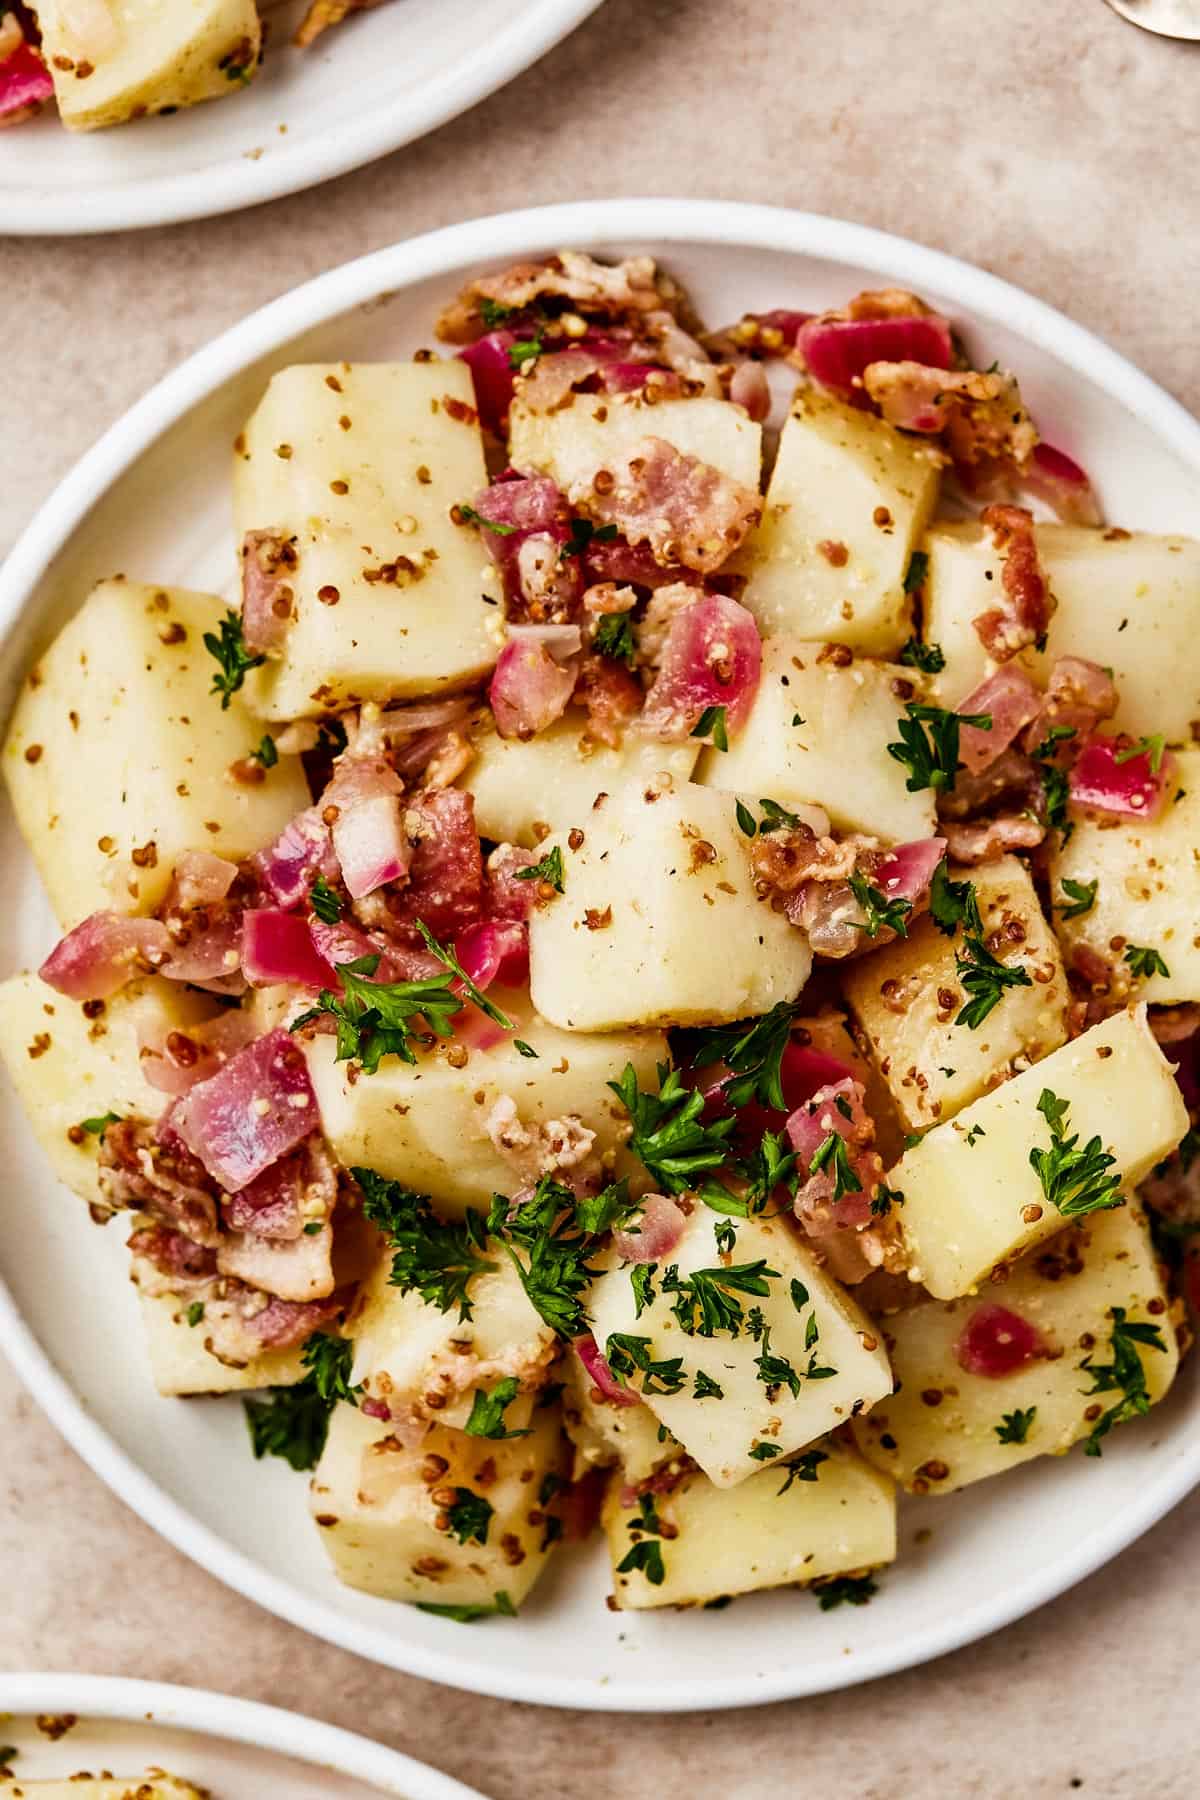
point(230, 186)
point(597, 224)
point(250, 1722)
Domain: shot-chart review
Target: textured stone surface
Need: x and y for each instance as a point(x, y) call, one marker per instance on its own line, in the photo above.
point(1051, 145)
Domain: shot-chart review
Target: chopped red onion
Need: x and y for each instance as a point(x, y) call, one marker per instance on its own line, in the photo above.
point(1130, 789)
point(98, 957)
point(278, 946)
point(253, 1111)
point(712, 657)
point(601, 1376)
point(655, 1233)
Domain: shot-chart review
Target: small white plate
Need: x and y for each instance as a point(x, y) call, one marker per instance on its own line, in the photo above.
point(235, 1747)
point(362, 90)
point(152, 499)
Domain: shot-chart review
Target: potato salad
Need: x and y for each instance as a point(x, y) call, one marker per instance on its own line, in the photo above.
point(644, 977)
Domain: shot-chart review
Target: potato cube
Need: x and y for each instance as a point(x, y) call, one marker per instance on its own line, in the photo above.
point(907, 996)
point(1147, 875)
point(181, 1364)
point(830, 1359)
point(593, 429)
point(425, 1124)
point(604, 1432)
point(972, 1200)
point(406, 1351)
point(765, 1533)
point(1120, 603)
point(941, 1428)
point(835, 756)
point(387, 594)
point(388, 1532)
point(118, 756)
point(554, 779)
point(160, 58)
point(67, 1067)
point(847, 504)
point(659, 922)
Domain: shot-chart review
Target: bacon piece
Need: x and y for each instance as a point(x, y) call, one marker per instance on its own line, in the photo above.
point(1012, 781)
point(299, 1187)
point(540, 583)
point(285, 1323)
point(654, 1234)
point(1028, 605)
point(299, 1269)
point(1079, 695)
point(98, 957)
point(248, 1115)
point(563, 1147)
point(612, 695)
point(173, 1253)
point(362, 806)
point(1010, 699)
point(837, 1110)
point(986, 839)
point(529, 689)
point(712, 656)
point(445, 878)
point(634, 565)
point(303, 850)
point(323, 14)
point(686, 510)
point(142, 1169)
point(437, 758)
point(605, 290)
point(269, 563)
point(981, 416)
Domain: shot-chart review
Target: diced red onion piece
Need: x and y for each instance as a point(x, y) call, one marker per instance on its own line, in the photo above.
point(253, 1111)
point(199, 879)
point(24, 83)
point(1058, 479)
point(278, 946)
point(996, 1341)
point(495, 952)
point(1012, 701)
point(209, 954)
point(493, 375)
point(749, 388)
point(369, 841)
point(528, 689)
point(631, 377)
point(1130, 789)
point(808, 1128)
point(174, 1061)
point(712, 657)
point(98, 957)
point(909, 869)
point(302, 851)
point(838, 350)
point(657, 1232)
point(600, 1375)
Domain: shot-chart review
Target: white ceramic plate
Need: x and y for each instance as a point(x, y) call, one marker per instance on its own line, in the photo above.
point(362, 90)
point(234, 1747)
point(152, 499)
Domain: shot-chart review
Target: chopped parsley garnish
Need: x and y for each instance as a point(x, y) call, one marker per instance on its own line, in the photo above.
point(776, 1371)
point(776, 817)
point(583, 533)
point(493, 312)
point(746, 819)
point(555, 1233)
point(550, 869)
point(98, 1126)
point(1056, 793)
point(883, 1200)
point(467, 515)
point(880, 913)
point(641, 1280)
point(845, 1590)
point(1152, 747)
point(470, 1517)
point(929, 658)
point(1081, 894)
point(331, 737)
point(753, 1053)
point(195, 1313)
point(984, 979)
point(953, 903)
point(1124, 1375)
point(769, 1167)
point(1075, 1181)
point(835, 1152)
point(763, 1452)
point(915, 574)
point(705, 1300)
point(234, 661)
point(613, 637)
point(466, 1614)
point(931, 758)
point(324, 902)
point(524, 352)
point(522, 1048)
point(668, 1135)
point(1144, 961)
point(267, 754)
point(294, 1422)
point(431, 1257)
point(803, 1468)
point(487, 1410)
point(706, 1388)
point(1014, 1426)
point(646, 1552)
point(974, 1135)
point(627, 1354)
point(712, 723)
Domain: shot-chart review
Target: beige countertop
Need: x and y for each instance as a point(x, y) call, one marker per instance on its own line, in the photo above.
point(1049, 142)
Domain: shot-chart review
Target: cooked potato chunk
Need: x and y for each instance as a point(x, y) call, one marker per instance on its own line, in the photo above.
point(554, 779)
point(161, 57)
point(835, 756)
point(972, 1200)
point(946, 1426)
point(822, 1364)
point(604, 1432)
point(1147, 889)
point(848, 502)
point(573, 442)
point(767, 1532)
point(426, 1123)
point(465, 1535)
point(907, 996)
point(1120, 601)
point(104, 1787)
point(118, 757)
point(660, 881)
point(387, 589)
point(68, 1067)
point(418, 1359)
point(180, 1362)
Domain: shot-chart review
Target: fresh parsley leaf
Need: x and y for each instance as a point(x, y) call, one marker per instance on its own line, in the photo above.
point(524, 352)
point(326, 905)
point(1075, 1181)
point(803, 1468)
point(234, 662)
point(1081, 894)
point(668, 1135)
point(1014, 1426)
point(501, 1607)
point(195, 1313)
point(953, 903)
point(434, 1258)
point(583, 533)
point(1152, 747)
point(770, 1167)
point(883, 1200)
point(763, 1452)
point(929, 658)
point(98, 1126)
point(493, 312)
point(706, 1388)
point(712, 723)
point(984, 979)
point(487, 1410)
point(329, 1361)
point(974, 1135)
point(775, 1371)
point(776, 817)
point(1056, 795)
point(549, 869)
point(1145, 961)
point(627, 1354)
point(753, 1053)
point(746, 819)
point(641, 1280)
point(554, 1270)
point(474, 994)
point(613, 637)
point(931, 758)
point(646, 1553)
point(705, 1300)
point(880, 913)
point(522, 1048)
point(836, 1151)
point(845, 1590)
point(377, 1019)
point(1125, 1375)
point(469, 1517)
point(467, 515)
point(609, 1209)
point(267, 754)
point(294, 1422)
point(915, 574)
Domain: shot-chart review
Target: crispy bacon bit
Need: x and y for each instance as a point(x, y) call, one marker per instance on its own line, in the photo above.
point(604, 290)
point(541, 585)
point(1010, 699)
point(1028, 606)
point(445, 878)
point(174, 1254)
point(686, 510)
point(986, 839)
point(509, 897)
point(285, 1323)
point(149, 1171)
point(634, 565)
point(787, 860)
point(563, 1146)
point(712, 656)
point(981, 416)
point(300, 1269)
point(269, 563)
point(612, 695)
point(1078, 696)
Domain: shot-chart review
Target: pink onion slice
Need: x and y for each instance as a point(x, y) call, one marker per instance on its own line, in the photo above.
point(749, 388)
point(277, 946)
point(1058, 479)
point(996, 1341)
point(838, 350)
point(655, 1233)
point(174, 1061)
point(206, 949)
point(252, 1112)
point(712, 657)
point(1011, 700)
point(600, 1375)
point(302, 851)
point(495, 952)
point(199, 879)
point(1130, 789)
point(98, 957)
point(909, 869)
point(528, 689)
point(493, 375)
point(25, 85)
